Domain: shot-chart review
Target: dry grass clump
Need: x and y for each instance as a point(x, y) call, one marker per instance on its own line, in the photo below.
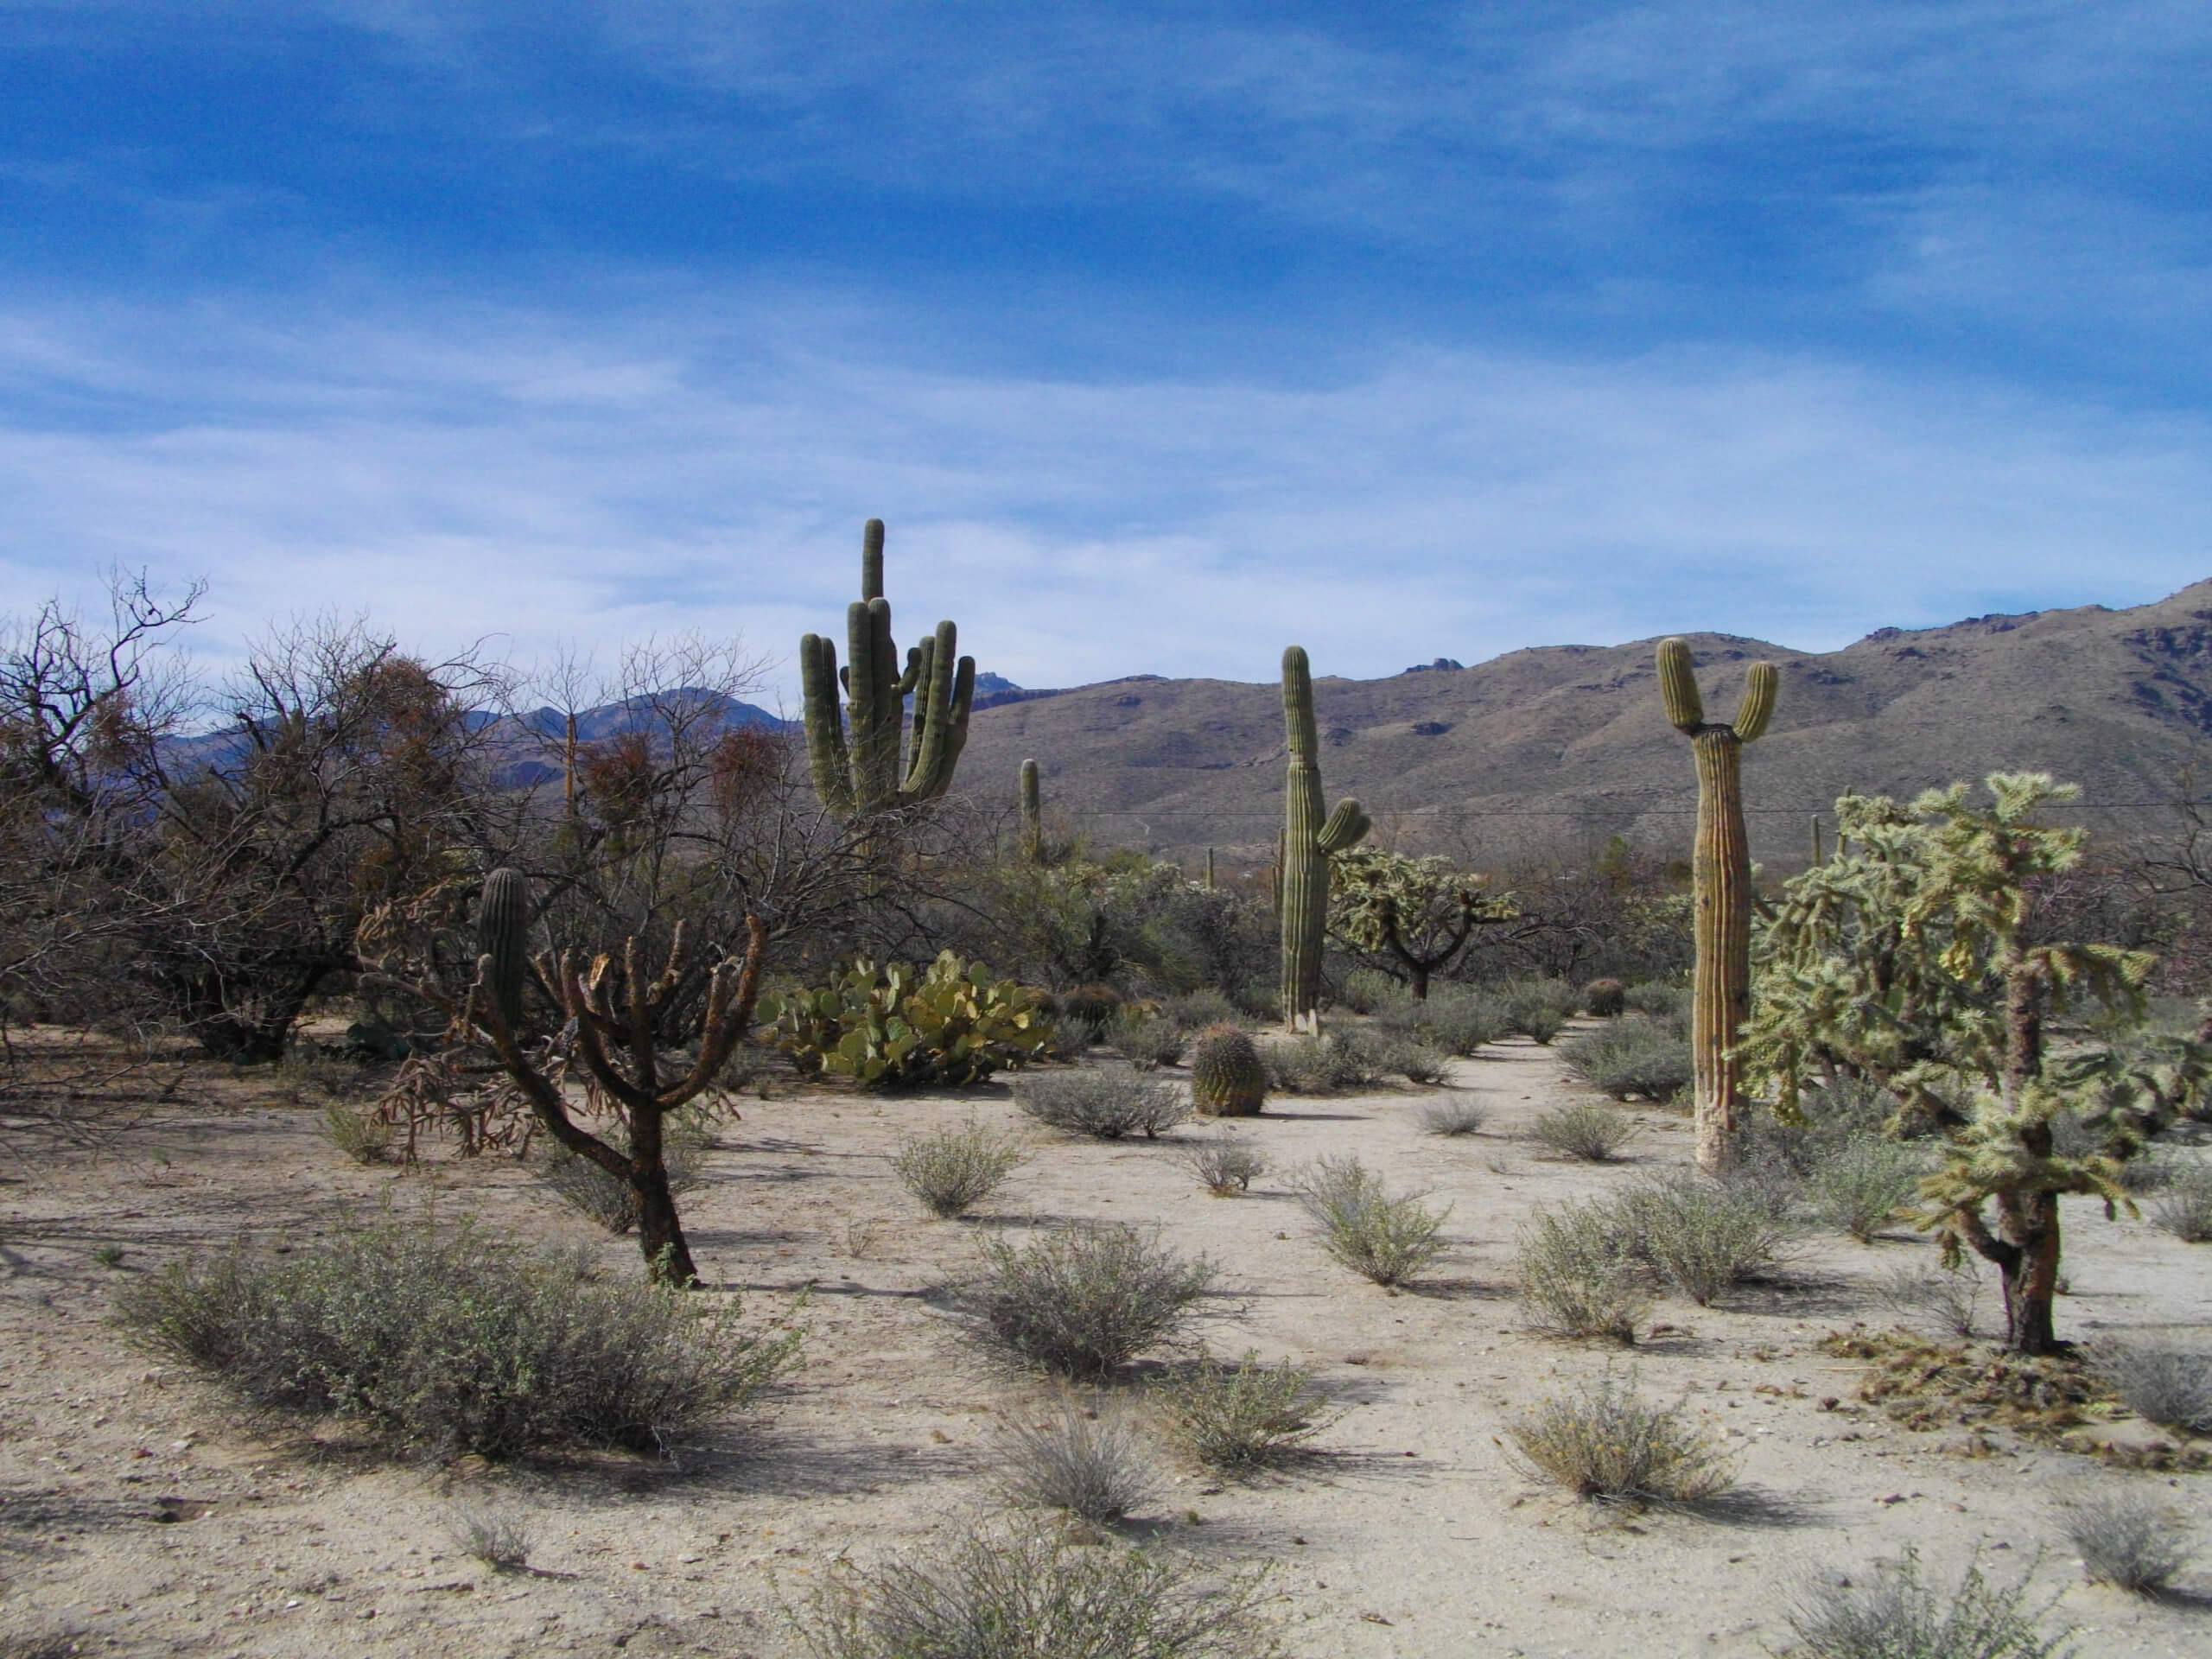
point(1946, 1298)
point(363, 1136)
point(2183, 1207)
point(1105, 1105)
point(1895, 1614)
point(953, 1170)
point(2172, 1386)
point(1027, 1593)
point(1387, 1239)
point(1090, 1463)
point(500, 1540)
point(1082, 1301)
point(451, 1342)
point(1454, 1117)
point(2126, 1539)
point(1578, 1273)
point(1224, 1165)
point(1244, 1415)
point(1606, 1442)
point(1585, 1130)
point(1630, 1056)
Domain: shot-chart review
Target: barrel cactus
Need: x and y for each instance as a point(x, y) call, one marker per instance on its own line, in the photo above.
point(1227, 1079)
point(1720, 999)
point(1307, 840)
point(1605, 997)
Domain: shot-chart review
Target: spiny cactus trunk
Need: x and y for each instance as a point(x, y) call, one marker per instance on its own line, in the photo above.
point(660, 1231)
point(1304, 893)
point(1032, 814)
point(1721, 994)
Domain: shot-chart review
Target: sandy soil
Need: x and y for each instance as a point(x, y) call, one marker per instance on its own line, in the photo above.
point(143, 1513)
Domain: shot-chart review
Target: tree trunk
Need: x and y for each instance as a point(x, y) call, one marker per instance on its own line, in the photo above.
point(2029, 1222)
point(660, 1234)
point(1420, 972)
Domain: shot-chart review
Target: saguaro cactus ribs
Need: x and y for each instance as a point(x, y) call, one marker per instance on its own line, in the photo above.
point(1306, 843)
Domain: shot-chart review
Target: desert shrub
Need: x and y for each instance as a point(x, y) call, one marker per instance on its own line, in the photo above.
point(954, 1169)
point(1579, 1275)
point(1367, 990)
point(1832, 1120)
point(1388, 1240)
point(1896, 1614)
point(1660, 1000)
point(1196, 1010)
point(1147, 1041)
point(1414, 1061)
point(42, 1644)
point(2185, 1208)
point(1106, 1105)
point(902, 1025)
point(500, 1540)
point(1604, 1441)
point(452, 1342)
point(1227, 1077)
point(1583, 1129)
point(1863, 1184)
point(363, 1136)
point(1031, 1594)
point(2172, 1386)
point(1225, 1165)
point(1945, 1299)
point(1459, 1021)
point(1088, 1462)
point(1323, 1064)
point(1244, 1415)
point(1455, 1116)
point(605, 1197)
point(2126, 1539)
point(1084, 1300)
point(1606, 998)
point(1700, 1235)
point(1629, 1056)
point(1539, 1009)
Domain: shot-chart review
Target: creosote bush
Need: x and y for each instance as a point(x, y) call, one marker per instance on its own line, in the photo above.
point(1245, 1416)
point(2183, 1207)
point(1368, 990)
point(1604, 1441)
point(1321, 1065)
point(1454, 1117)
point(1578, 1276)
point(1457, 1021)
point(1082, 1301)
point(1894, 1613)
point(1225, 1165)
point(1196, 1010)
point(1539, 1009)
point(1027, 1593)
point(1630, 1056)
point(449, 1341)
point(1701, 1236)
point(1414, 1061)
point(1387, 1239)
point(1105, 1105)
point(1583, 1129)
point(1864, 1184)
point(2126, 1539)
point(2172, 1386)
point(1087, 1460)
point(953, 1170)
point(1147, 1041)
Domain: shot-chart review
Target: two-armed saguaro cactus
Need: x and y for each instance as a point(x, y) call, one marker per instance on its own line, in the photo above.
point(1032, 814)
point(1721, 872)
point(875, 770)
point(1306, 843)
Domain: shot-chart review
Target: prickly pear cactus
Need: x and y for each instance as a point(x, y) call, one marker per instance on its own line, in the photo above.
point(1307, 840)
point(1720, 997)
point(503, 917)
point(899, 1025)
point(1226, 1078)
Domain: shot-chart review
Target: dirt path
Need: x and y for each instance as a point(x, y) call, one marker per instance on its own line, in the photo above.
point(141, 1512)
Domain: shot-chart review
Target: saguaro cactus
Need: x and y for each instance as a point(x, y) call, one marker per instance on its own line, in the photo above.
point(877, 771)
point(1032, 814)
point(1721, 872)
point(1306, 843)
point(503, 939)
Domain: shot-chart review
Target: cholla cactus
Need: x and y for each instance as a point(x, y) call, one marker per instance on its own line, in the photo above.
point(1722, 887)
point(1307, 840)
point(876, 770)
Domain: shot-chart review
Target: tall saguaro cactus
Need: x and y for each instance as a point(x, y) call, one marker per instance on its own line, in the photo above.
point(1307, 840)
point(1032, 814)
point(1721, 873)
point(876, 770)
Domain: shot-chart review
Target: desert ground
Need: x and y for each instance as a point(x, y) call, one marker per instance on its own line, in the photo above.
point(143, 1512)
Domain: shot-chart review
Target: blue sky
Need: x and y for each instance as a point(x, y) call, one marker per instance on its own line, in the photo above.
point(1162, 335)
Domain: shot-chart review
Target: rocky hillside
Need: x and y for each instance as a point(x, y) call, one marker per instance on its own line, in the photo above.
point(1562, 746)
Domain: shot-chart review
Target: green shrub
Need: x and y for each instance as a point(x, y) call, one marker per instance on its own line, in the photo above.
point(1660, 1000)
point(1146, 1041)
point(1539, 1008)
point(1578, 1273)
point(1583, 1129)
point(365, 1137)
point(1244, 1415)
point(953, 1170)
point(1894, 1614)
point(1414, 1061)
point(1630, 1056)
point(1864, 1184)
point(1321, 1065)
point(1196, 1010)
point(1105, 1105)
point(1459, 1021)
point(1031, 1594)
point(1388, 1240)
point(2185, 1208)
point(1701, 1236)
point(451, 1342)
point(1368, 990)
point(1604, 1441)
point(899, 1026)
point(1084, 1300)
point(1225, 1165)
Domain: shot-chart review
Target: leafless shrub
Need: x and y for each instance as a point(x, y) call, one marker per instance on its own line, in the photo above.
point(1225, 1165)
point(1089, 1461)
point(499, 1538)
point(2172, 1386)
point(1893, 1613)
point(1946, 1298)
point(2126, 1539)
